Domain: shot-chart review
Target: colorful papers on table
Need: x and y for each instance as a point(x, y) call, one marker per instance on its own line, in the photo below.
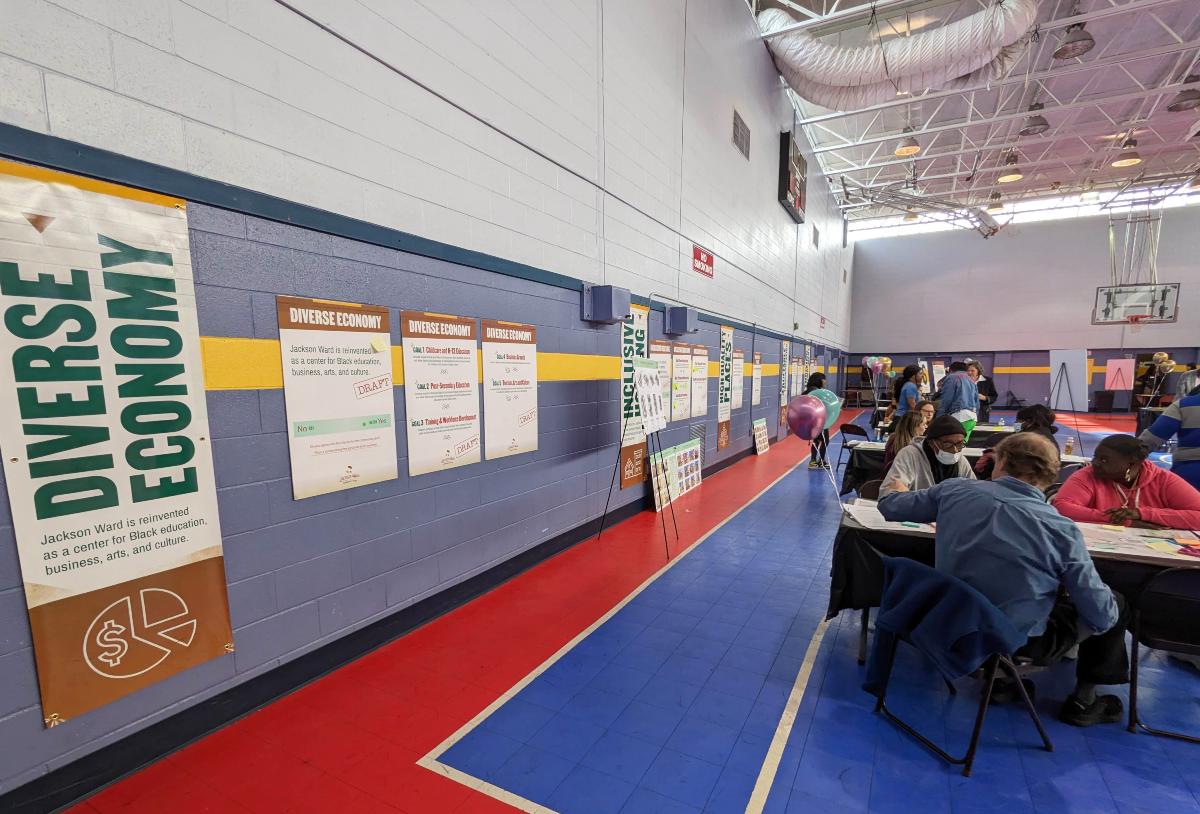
point(1146, 544)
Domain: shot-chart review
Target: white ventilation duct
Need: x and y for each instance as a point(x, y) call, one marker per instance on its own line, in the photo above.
point(967, 51)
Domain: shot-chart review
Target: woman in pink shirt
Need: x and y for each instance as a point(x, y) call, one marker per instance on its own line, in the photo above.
point(1122, 488)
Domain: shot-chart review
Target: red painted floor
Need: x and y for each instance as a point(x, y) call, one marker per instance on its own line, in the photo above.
point(350, 741)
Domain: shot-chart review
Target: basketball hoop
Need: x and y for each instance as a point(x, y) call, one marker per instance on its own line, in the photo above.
point(1136, 322)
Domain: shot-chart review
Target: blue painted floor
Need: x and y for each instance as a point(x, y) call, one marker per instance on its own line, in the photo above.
point(671, 704)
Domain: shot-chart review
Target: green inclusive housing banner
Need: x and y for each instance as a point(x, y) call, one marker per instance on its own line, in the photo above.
point(104, 432)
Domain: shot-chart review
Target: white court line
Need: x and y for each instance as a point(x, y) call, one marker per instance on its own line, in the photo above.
point(783, 730)
point(430, 761)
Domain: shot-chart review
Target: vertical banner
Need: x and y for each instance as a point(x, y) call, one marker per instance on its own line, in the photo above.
point(337, 388)
point(699, 381)
point(510, 389)
point(441, 391)
point(809, 368)
point(756, 380)
point(681, 381)
point(633, 438)
point(104, 430)
point(661, 353)
point(724, 386)
point(797, 374)
point(785, 367)
point(739, 378)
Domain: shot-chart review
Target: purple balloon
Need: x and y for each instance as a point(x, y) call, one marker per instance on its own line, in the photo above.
point(806, 416)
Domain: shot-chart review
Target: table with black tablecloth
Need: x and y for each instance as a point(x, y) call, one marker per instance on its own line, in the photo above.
point(856, 577)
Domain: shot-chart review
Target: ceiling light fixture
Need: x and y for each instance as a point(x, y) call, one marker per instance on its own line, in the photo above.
point(910, 216)
point(994, 204)
point(1188, 99)
point(1011, 171)
point(1128, 156)
point(1035, 124)
point(1077, 43)
point(1089, 194)
point(907, 146)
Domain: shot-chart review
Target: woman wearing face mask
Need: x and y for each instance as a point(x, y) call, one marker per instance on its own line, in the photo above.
point(1122, 488)
point(930, 460)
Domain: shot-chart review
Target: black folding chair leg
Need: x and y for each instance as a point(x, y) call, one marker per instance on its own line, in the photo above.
point(862, 637)
point(1011, 669)
point(887, 677)
point(1133, 680)
point(989, 682)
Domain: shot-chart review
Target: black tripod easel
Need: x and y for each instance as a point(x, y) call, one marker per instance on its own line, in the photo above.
point(652, 440)
point(1061, 378)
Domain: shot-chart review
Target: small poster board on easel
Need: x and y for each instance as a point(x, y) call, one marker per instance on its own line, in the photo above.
point(762, 444)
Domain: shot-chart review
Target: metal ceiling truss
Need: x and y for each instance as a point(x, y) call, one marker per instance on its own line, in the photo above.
point(854, 143)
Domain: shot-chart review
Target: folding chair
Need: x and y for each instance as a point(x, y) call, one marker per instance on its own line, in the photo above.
point(847, 431)
point(1164, 618)
point(870, 490)
point(946, 597)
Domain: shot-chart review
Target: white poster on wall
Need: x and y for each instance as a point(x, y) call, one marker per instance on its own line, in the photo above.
point(441, 391)
point(739, 378)
point(510, 391)
point(699, 381)
point(756, 380)
point(681, 381)
point(1068, 380)
point(337, 389)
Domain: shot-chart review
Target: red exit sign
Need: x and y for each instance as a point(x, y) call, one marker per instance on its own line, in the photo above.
point(702, 261)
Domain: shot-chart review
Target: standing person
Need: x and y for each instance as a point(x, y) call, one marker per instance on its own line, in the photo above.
point(1001, 538)
point(1189, 380)
point(820, 444)
point(1181, 418)
point(960, 397)
point(986, 388)
point(1122, 488)
point(930, 460)
point(1153, 383)
point(907, 390)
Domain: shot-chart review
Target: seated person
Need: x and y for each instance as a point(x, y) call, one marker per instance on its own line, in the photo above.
point(930, 460)
point(1037, 418)
point(1001, 538)
point(1122, 488)
point(1182, 419)
point(907, 428)
point(985, 465)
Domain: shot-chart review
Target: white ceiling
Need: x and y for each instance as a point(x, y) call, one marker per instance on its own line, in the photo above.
point(1144, 50)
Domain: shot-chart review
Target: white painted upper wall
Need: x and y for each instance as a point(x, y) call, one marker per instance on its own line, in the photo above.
point(609, 152)
point(1031, 287)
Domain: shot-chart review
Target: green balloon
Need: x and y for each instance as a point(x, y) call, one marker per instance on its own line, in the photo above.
point(833, 405)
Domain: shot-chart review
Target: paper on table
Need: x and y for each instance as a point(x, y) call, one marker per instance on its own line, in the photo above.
point(868, 516)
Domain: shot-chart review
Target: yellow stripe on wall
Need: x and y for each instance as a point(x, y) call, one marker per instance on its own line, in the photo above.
point(254, 364)
point(240, 363)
